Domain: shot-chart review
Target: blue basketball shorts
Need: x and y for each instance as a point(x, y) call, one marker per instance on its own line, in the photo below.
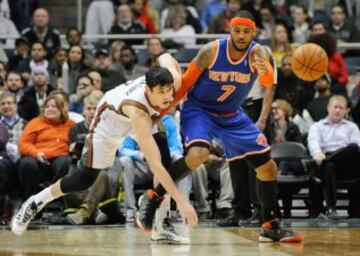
point(238, 134)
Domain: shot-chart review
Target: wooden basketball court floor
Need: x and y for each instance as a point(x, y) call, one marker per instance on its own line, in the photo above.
point(340, 238)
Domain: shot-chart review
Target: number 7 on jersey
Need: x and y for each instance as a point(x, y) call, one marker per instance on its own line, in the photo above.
point(228, 90)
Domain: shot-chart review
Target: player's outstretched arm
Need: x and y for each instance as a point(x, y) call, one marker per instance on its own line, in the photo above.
point(142, 124)
point(196, 67)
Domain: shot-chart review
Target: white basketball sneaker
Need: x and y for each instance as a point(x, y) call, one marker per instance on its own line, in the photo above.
point(27, 212)
point(165, 233)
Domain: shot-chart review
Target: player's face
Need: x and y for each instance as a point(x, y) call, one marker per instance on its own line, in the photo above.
point(161, 96)
point(337, 110)
point(241, 37)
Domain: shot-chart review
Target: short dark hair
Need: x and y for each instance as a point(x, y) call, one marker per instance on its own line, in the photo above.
point(15, 73)
point(84, 76)
point(158, 76)
point(129, 48)
point(73, 29)
point(245, 14)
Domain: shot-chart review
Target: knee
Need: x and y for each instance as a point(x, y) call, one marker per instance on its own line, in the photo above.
point(78, 181)
point(267, 171)
point(196, 157)
point(27, 166)
point(127, 163)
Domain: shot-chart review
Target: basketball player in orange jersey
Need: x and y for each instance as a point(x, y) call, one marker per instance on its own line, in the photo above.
point(217, 82)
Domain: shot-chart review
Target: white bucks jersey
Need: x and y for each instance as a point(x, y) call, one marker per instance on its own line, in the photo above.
point(110, 123)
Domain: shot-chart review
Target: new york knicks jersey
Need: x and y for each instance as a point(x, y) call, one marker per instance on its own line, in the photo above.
point(109, 121)
point(223, 87)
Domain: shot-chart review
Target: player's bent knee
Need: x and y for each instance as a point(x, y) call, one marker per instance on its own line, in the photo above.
point(79, 180)
point(197, 156)
point(267, 171)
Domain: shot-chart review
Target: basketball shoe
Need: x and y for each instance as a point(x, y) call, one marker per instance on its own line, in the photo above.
point(27, 212)
point(163, 231)
point(272, 232)
point(148, 203)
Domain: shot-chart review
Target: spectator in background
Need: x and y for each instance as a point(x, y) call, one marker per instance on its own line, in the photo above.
point(138, 9)
point(220, 23)
point(7, 170)
point(22, 54)
point(38, 59)
point(110, 78)
point(10, 118)
point(73, 36)
point(337, 68)
point(318, 27)
point(288, 84)
point(84, 87)
point(318, 106)
point(192, 16)
point(209, 11)
point(35, 95)
point(126, 24)
point(280, 45)
point(44, 147)
point(268, 21)
point(99, 18)
point(42, 32)
point(334, 146)
point(76, 117)
point(115, 55)
point(131, 68)
point(178, 32)
point(15, 84)
point(60, 57)
point(301, 29)
point(76, 66)
point(7, 28)
point(155, 48)
point(343, 30)
point(3, 73)
point(283, 130)
point(97, 79)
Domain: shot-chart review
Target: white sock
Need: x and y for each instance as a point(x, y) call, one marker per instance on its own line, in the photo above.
point(164, 210)
point(44, 197)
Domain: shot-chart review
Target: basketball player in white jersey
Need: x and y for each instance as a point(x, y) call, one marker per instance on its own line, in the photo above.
point(128, 108)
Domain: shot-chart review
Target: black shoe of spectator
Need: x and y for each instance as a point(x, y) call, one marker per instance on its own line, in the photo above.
point(332, 214)
point(230, 221)
point(223, 213)
point(204, 215)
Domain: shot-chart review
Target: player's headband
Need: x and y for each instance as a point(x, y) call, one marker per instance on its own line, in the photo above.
point(243, 21)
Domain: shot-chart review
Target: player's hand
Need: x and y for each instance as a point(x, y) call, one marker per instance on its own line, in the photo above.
point(259, 65)
point(188, 213)
point(319, 158)
point(261, 125)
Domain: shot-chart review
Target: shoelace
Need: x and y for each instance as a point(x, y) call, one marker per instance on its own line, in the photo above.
point(29, 212)
point(168, 226)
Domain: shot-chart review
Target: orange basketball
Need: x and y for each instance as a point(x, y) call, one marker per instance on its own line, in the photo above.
point(309, 62)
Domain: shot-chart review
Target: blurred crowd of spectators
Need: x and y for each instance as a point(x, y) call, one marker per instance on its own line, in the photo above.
point(49, 90)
